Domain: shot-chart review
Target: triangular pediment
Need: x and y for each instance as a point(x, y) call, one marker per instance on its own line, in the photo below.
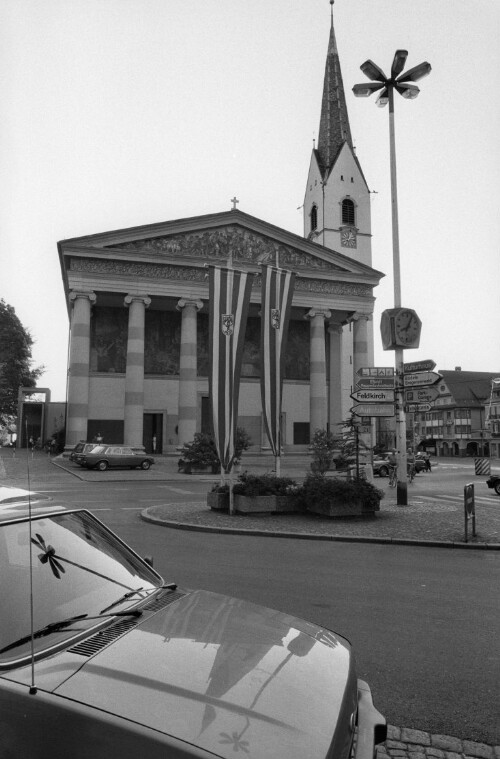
point(214, 238)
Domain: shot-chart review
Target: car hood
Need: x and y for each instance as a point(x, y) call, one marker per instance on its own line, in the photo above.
point(225, 675)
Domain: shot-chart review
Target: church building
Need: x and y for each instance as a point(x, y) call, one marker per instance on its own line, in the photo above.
point(138, 306)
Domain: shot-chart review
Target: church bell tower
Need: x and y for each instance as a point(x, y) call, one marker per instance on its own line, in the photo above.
point(337, 198)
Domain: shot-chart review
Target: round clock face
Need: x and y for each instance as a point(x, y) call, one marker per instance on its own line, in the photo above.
point(406, 327)
point(348, 238)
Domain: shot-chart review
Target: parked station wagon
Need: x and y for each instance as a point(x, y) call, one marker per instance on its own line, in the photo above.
point(103, 457)
point(110, 660)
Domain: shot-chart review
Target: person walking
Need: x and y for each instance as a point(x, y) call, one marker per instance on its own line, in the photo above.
point(428, 465)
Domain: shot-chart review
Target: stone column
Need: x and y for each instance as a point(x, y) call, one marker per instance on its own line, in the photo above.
point(335, 415)
point(361, 354)
point(188, 370)
point(134, 375)
point(79, 360)
point(317, 392)
point(362, 357)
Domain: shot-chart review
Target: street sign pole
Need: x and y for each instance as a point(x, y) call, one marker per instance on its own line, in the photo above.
point(402, 475)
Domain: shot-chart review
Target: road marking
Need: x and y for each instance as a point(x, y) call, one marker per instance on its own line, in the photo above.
point(182, 491)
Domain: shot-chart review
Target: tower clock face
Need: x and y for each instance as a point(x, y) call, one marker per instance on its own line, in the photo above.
point(407, 327)
point(348, 238)
point(400, 328)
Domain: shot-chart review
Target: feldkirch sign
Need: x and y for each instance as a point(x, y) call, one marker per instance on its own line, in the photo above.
point(374, 396)
point(374, 409)
point(421, 395)
point(420, 379)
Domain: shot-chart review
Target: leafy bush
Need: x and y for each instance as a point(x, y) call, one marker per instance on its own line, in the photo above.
point(322, 448)
point(201, 451)
point(264, 484)
point(321, 492)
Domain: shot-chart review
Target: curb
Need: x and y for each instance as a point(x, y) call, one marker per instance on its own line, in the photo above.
point(146, 517)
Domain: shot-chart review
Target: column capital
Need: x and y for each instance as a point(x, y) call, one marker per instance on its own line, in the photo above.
point(89, 294)
point(359, 316)
point(137, 298)
point(324, 312)
point(334, 328)
point(198, 304)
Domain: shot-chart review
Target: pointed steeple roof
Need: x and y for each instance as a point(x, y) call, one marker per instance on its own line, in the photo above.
point(334, 127)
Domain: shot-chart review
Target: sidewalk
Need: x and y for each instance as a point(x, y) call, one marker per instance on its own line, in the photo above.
point(428, 520)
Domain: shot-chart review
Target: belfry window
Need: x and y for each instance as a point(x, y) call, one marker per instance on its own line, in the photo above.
point(314, 218)
point(348, 213)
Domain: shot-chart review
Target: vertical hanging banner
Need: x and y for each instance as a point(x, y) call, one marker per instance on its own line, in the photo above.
point(229, 298)
point(277, 292)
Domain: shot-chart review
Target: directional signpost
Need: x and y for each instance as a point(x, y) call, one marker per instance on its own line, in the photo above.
point(375, 382)
point(376, 371)
point(421, 379)
point(421, 395)
point(419, 366)
point(373, 409)
point(411, 408)
point(374, 396)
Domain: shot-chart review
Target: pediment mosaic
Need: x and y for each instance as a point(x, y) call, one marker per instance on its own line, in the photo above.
point(244, 245)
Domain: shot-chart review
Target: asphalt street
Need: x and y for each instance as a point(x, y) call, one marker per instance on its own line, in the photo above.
point(424, 621)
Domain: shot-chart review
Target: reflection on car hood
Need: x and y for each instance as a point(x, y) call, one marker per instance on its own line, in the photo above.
point(225, 675)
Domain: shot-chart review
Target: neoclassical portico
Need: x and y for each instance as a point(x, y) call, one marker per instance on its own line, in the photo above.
point(138, 304)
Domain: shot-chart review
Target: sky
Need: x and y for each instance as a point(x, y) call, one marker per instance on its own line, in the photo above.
point(118, 113)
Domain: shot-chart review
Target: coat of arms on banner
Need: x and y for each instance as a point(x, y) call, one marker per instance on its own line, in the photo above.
point(275, 318)
point(227, 324)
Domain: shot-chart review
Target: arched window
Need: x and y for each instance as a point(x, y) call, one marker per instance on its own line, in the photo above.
point(348, 212)
point(314, 218)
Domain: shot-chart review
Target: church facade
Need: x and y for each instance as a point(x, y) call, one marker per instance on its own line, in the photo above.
point(138, 306)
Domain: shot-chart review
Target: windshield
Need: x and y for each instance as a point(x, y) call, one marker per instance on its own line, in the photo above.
point(79, 568)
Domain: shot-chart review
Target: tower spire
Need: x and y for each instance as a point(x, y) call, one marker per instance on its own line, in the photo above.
point(334, 127)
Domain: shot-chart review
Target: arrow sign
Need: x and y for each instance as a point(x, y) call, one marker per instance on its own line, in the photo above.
point(419, 379)
point(374, 409)
point(419, 366)
point(421, 395)
point(375, 382)
point(410, 408)
point(376, 371)
point(374, 396)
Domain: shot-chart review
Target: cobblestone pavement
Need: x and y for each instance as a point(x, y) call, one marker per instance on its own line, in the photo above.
point(426, 521)
point(404, 743)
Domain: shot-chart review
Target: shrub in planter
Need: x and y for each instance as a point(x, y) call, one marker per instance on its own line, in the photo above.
point(322, 449)
point(263, 484)
point(201, 452)
point(336, 497)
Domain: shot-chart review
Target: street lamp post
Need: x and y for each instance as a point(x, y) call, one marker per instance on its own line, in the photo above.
point(404, 84)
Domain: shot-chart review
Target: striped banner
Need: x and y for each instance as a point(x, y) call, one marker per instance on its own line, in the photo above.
point(277, 292)
point(229, 296)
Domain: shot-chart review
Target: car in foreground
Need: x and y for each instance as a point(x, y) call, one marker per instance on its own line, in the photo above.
point(494, 483)
point(108, 659)
point(103, 457)
point(381, 465)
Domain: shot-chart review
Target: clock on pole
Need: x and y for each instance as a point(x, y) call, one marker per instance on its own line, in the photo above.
point(400, 328)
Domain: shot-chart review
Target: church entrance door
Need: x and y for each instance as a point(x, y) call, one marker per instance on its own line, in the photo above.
point(152, 438)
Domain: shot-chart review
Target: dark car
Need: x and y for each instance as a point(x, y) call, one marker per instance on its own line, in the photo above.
point(494, 482)
point(79, 450)
point(381, 465)
point(100, 657)
point(103, 457)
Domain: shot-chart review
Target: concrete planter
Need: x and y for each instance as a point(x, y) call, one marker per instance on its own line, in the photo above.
point(218, 501)
point(343, 509)
point(259, 504)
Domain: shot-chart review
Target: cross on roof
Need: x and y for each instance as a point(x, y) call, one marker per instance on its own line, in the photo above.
point(234, 201)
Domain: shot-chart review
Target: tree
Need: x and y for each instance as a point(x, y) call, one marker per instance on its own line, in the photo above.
point(15, 361)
